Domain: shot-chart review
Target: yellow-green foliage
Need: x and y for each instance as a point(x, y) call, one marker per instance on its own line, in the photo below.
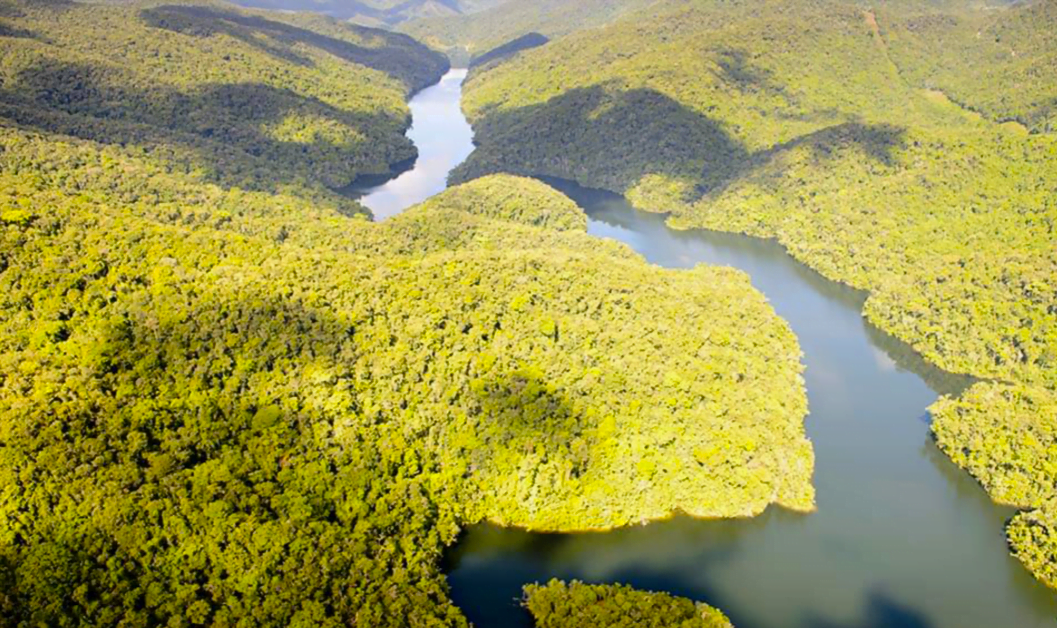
point(1000, 63)
point(245, 99)
point(1006, 436)
point(792, 121)
point(224, 406)
point(558, 605)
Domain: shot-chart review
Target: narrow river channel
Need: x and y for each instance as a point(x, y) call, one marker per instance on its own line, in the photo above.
point(901, 538)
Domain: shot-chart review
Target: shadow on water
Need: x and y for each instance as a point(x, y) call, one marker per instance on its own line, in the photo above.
point(881, 612)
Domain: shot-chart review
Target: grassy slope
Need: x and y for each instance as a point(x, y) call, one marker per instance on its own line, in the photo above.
point(795, 122)
point(224, 400)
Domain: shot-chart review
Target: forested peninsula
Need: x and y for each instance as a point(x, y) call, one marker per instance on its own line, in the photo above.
point(229, 398)
point(908, 151)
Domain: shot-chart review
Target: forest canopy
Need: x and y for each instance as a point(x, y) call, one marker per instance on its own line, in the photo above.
point(228, 398)
point(907, 151)
point(557, 604)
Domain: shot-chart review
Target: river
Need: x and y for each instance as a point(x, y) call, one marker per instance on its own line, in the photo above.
point(902, 538)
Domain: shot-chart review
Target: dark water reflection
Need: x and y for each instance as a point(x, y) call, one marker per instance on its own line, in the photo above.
point(901, 538)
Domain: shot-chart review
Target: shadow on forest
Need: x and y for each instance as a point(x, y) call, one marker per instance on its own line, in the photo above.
point(223, 127)
point(499, 54)
point(520, 410)
point(609, 137)
point(394, 57)
point(736, 70)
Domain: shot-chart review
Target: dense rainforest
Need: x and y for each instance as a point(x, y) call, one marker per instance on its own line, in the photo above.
point(229, 398)
point(907, 151)
point(558, 604)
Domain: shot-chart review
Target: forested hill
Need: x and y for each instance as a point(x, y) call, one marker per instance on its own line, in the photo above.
point(466, 37)
point(908, 151)
point(227, 398)
point(218, 93)
point(383, 13)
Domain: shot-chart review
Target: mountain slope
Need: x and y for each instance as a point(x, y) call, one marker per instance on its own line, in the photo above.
point(998, 62)
point(227, 398)
point(465, 37)
point(817, 123)
point(222, 93)
point(378, 13)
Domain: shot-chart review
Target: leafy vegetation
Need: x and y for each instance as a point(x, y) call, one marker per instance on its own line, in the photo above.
point(207, 427)
point(217, 93)
point(1000, 63)
point(558, 604)
point(1006, 436)
point(817, 123)
point(227, 398)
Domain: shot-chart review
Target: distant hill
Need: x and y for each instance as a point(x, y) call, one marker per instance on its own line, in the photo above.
point(381, 13)
point(464, 37)
point(507, 50)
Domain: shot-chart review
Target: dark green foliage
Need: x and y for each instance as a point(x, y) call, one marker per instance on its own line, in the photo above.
point(558, 605)
point(218, 93)
point(509, 49)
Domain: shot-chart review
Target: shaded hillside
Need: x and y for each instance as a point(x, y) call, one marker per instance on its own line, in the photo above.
point(378, 13)
point(508, 50)
point(219, 93)
point(819, 123)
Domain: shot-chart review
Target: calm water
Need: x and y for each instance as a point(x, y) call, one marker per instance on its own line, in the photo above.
point(901, 538)
point(444, 139)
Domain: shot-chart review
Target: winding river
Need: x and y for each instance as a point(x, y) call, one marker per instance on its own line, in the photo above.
point(901, 538)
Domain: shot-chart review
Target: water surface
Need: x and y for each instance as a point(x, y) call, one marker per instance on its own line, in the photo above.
point(444, 140)
point(901, 538)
